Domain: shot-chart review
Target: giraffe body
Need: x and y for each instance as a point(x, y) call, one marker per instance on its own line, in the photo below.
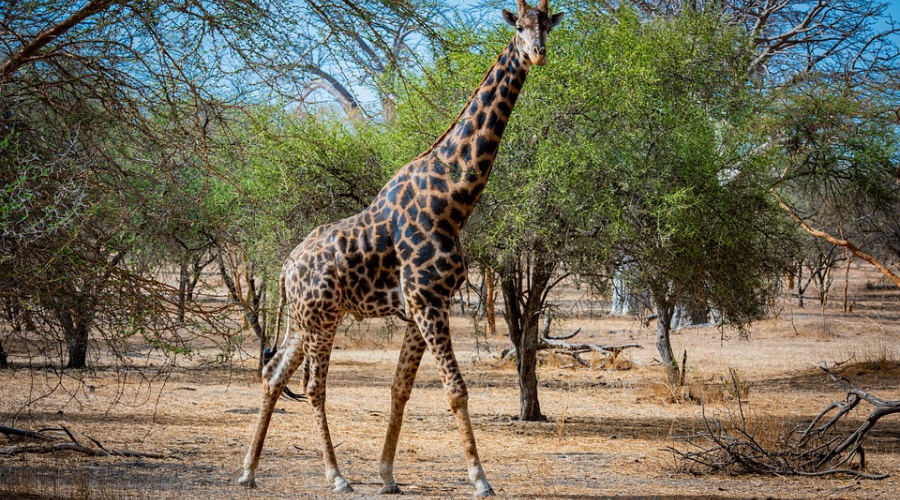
point(401, 257)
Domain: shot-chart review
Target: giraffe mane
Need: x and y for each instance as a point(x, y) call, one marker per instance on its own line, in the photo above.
point(459, 115)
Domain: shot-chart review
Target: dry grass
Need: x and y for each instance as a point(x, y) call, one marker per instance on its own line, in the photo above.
point(605, 436)
point(697, 388)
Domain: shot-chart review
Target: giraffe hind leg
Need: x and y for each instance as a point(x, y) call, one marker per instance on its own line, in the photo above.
point(287, 392)
point(316, 369)
point(275, 376)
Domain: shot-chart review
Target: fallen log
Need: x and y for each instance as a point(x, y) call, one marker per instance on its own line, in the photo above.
point(98, 450)
point(24, 433)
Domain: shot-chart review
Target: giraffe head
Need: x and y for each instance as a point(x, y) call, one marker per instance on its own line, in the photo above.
point(532, 25)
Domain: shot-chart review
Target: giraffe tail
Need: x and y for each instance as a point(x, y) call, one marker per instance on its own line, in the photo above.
point(282, 297)
point(270, 353)
point(288, 393)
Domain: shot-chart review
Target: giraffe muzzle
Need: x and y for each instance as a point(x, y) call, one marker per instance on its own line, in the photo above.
point(539, 55)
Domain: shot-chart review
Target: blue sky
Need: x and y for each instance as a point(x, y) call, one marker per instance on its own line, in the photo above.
point(481, 11)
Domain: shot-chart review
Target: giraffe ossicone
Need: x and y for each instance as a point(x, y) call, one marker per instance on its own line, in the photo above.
point(401, 257)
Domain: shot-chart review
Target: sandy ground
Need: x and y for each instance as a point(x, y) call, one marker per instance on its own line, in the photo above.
point(605, 436)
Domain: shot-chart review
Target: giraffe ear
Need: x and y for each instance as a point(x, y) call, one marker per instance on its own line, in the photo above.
point(556, 18)
point(510, 18)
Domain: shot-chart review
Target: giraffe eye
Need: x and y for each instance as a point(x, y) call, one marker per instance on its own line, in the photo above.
point(519, 29)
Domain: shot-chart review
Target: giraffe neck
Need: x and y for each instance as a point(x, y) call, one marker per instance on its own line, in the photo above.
point(465, 152)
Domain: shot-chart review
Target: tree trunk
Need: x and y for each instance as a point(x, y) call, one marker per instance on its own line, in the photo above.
point(183, 279)
point(664, 313)
point(823, 275)
point(256, 317)
point(189, 277)
point(462, 301)
point(620, 295)
point(251, 305)
point(526, 365)
point(849, 257)
point(4, 362)
point(76, 329)
point(523, 314)
point(490, 293)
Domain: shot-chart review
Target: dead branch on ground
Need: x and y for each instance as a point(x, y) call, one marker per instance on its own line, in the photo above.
point(557, 345)
point(821, 448)
point(98, 450)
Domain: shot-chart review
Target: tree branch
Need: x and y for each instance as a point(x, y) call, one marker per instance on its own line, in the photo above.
point(72, 445)
point(330, 84)
point(839, 242)
point(22, 55)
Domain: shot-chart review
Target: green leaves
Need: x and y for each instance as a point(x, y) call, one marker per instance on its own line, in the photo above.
point(297, 173)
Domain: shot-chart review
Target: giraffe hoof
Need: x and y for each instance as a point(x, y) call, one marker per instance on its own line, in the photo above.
point(343, 488)
point(247, 481)
point(486, 493)
point(391, 489)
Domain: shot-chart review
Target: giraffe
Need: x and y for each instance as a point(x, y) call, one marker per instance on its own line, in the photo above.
point(401, 257)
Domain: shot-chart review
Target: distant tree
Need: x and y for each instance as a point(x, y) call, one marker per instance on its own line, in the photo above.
point(291, 174)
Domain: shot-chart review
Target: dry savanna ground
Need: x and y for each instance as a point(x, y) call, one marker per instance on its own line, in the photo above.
point(605, 437)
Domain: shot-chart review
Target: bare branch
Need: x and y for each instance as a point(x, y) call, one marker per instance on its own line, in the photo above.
point(72, 445)
point(819, 450)
point(331, 85)
point(557, 346)
point(26, 51)
point(839, 242)
point(374, 60)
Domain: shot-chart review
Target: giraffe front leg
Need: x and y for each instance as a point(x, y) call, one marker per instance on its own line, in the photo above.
point(274, 377)
point(408, 364)
point(435, 327)
point(317, 365)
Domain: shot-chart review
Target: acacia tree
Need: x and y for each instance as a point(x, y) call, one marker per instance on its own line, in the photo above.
point(292, 174)
point(691, 222)
point(832, 68)
point(658, 166)
point(821, 73)
point(840, 180)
